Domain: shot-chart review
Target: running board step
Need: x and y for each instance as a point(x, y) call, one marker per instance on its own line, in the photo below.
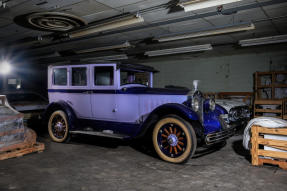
point(102, 134)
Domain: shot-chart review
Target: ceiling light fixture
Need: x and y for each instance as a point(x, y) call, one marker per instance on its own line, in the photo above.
point(179, 50)
point(97, 49)
point(112, 57)
point(264, 40)
point(212, 31)
point(201, 4)
point(5, 67)
point(3, 4)
point(130, 20)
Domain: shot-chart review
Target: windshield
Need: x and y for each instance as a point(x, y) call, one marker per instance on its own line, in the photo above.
point(134, 77)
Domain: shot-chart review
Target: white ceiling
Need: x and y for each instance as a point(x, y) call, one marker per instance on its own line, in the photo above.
point(269, 20)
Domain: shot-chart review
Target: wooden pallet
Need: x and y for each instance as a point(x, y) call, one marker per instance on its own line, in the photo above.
point(258, 112)
point(38, 147)
point(276, 157)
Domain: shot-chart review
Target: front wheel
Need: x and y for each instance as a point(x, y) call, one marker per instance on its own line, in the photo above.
point(58, 126)
point(174, 139)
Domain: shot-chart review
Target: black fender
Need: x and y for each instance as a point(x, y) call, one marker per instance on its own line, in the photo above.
point(61, 105)
point(172, 108)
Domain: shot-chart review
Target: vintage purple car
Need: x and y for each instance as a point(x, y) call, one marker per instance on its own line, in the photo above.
point(118, 100)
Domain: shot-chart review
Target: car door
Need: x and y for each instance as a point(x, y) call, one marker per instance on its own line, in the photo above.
point(103, 91)
point(79, 96)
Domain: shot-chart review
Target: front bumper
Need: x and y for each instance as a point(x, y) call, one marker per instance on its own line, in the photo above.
point(227, 130)
point(220, 136)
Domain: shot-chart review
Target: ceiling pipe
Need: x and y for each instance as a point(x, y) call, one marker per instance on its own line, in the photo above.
point(179, 50)
point(108, 26)
point(210, 32)
point(97, 49)
point(263, 40)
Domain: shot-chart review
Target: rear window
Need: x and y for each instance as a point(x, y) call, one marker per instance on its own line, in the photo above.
point(60, 76)
point(104, 76)
point(79, 76)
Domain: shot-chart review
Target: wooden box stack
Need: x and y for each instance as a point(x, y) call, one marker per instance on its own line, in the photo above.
point(277, 104)
point(261, 156)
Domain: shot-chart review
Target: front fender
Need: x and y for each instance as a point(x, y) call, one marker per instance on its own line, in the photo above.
point(175, 108)
point(166, 109)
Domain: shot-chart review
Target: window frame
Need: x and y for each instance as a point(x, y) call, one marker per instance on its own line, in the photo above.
point(53, 76)
point(71, 76)
point(93, 67)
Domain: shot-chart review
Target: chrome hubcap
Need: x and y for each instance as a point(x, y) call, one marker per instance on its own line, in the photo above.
point(59, 126)
point(172, 140)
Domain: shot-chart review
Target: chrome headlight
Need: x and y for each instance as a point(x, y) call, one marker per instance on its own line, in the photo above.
point(195, 104)
point(239, 113)
point(212, 104)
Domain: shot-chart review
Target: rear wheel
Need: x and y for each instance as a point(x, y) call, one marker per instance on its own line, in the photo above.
point(58, 127)
point(174, 139)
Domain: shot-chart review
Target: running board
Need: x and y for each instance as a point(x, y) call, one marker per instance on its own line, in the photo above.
point(102, 134)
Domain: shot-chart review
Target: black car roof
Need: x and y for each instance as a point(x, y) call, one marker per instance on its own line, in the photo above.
point(121, 65)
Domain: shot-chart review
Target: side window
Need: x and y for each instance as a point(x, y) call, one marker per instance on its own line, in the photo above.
point(104, 75)
point(79, 76)
point(60, 76)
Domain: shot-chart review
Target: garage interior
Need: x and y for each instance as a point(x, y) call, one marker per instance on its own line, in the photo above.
point(234, 49)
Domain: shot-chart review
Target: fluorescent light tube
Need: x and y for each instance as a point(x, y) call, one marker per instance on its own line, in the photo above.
point(186, 49)
point(215, 31)
point(264, 40)
point(112, 57)
point(201, 4)
point(108, 26)
point(97, 49)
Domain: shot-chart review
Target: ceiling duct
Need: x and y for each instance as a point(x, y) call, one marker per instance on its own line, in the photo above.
point(264, 40)
point(197, 48)
point(50, 21)
point(212, 31)
point(201, 4)
point(126, 21)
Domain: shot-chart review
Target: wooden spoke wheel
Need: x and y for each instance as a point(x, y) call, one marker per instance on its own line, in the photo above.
point(174, 139)
point(58, 126)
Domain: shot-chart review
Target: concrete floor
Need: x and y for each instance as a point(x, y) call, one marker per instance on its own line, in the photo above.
point(93, 163)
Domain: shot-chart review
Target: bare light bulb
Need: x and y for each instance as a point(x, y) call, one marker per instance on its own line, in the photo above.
point(5, 67)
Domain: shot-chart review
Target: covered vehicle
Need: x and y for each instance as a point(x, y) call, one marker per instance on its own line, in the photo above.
point(13, 134)
point(31, 104)
point(118, 100)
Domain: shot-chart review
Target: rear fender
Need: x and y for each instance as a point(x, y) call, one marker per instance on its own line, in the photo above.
point(61, 105)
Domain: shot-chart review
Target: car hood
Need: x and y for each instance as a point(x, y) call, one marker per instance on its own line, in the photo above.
point(228, 104)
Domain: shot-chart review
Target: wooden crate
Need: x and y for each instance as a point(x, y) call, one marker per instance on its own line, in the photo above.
point(274, 157)
point(246, 97)
point(258, 112)
point(271, 86)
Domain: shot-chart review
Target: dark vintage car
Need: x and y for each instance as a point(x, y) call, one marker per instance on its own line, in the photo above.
point(31, 104)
